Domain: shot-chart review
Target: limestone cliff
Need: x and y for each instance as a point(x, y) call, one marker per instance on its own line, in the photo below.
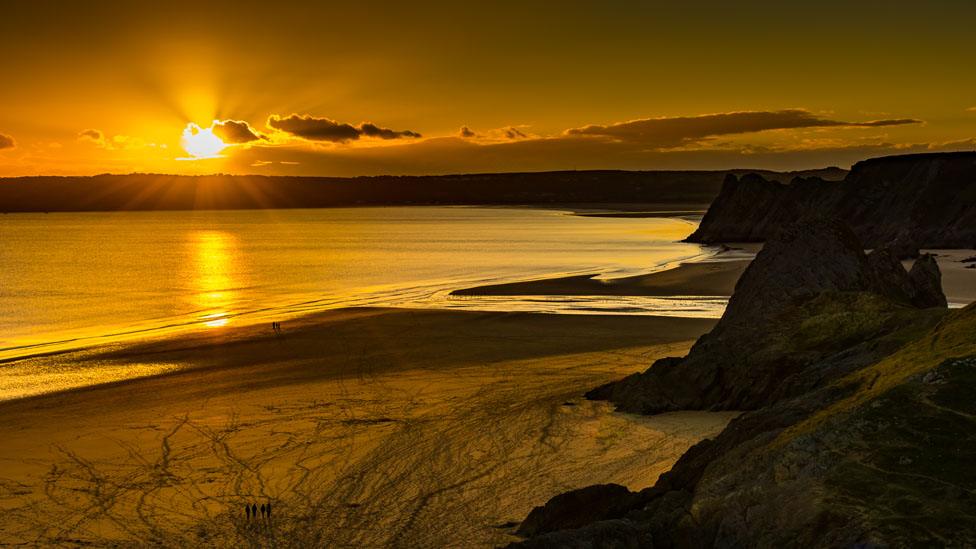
point(914, 201)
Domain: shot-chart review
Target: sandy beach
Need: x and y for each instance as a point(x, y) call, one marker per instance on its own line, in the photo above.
point(958, 275)
point(362, 427)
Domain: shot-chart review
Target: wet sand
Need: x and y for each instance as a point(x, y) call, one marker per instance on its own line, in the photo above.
point(714, 277)
point(706, 278)
point(958, 279)
point(362, 427)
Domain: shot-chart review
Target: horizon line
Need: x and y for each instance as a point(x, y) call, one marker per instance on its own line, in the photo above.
point(452, 174)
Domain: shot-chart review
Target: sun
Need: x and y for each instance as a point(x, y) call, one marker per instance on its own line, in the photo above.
point(201, 142)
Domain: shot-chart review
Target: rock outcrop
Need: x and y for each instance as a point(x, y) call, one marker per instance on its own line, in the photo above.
point(867, 441)
point(880, 459)
point(808, 297)
point(578, 508)
point(906, 202)
point(927, 283)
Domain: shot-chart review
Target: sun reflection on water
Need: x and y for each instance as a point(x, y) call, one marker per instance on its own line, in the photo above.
point(216, 260)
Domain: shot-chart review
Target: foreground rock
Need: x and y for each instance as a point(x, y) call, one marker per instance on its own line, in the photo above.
point(882, 458)
point(909, 202)
point(810, 296)
point(863, 434)
point(578, 508)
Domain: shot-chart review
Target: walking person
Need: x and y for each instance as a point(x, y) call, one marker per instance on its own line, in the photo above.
point(247, 511)
point(269, 510)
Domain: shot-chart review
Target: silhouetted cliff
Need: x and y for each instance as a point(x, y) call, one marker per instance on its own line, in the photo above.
point(912, 201)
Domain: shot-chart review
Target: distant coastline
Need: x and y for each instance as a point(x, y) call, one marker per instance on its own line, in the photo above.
point(139, 192)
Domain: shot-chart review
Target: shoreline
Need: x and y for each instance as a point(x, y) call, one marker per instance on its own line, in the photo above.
point(423, 290)
point(711, 276)
point(708, 277)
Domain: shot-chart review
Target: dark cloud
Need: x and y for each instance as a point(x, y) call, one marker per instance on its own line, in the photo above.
point(6, 142)
point(466, 132)
point(316, 129)
point(372, 130)
point(880, 123)
point(324, 129)
point(679, 131)
point(94, 135)
point(514, 133)
point(235, 131)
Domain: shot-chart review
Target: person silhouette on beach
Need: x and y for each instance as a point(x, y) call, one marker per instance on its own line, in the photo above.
point(247, 511)
point(254, 510)
point(268, 510)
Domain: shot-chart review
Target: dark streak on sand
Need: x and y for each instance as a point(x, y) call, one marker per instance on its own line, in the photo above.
point(715, 278)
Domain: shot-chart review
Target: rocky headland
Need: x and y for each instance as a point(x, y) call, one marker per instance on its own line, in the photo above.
point(904, 202)
point(858, 430)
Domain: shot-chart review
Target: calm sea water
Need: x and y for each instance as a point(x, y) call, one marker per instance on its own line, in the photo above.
point(71, 280)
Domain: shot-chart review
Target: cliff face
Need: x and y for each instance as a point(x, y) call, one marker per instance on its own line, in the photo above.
point(861, 434)
point(916, 201)
point(809, 296)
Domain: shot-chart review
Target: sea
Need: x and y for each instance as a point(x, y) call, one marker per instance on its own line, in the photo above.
point(73, 280)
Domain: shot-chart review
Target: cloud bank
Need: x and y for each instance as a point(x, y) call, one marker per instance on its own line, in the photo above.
point(667, 133)
point(514, 133)
point(325, 129)
point(6, 142)
point(235, 132)
point(707, 141)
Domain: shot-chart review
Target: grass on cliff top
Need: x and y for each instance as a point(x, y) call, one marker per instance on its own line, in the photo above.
point(953, 337)
point(902, 470)
point(836, 320)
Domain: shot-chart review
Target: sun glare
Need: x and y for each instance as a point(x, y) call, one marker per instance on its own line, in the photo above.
point(201, 142)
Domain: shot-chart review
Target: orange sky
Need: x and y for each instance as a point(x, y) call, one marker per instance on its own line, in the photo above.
point(421, 87)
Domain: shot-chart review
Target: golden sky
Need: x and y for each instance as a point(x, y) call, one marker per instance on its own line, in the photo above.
point(351, 88)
